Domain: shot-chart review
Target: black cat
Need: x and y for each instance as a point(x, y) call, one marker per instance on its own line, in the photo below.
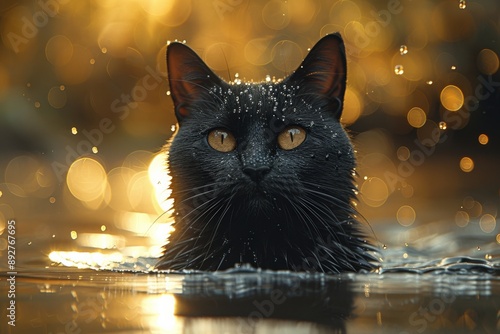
point(263, 173)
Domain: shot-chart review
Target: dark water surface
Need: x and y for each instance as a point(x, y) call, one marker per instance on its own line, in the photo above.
point(411, 293)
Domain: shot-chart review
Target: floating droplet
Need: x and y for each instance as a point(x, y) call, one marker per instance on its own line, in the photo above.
point(92, 61)
point(429, 82)
point(52, 200)
point(37, 104)
point(172, 128)
point(62, 87)
point(74, 130)
point(268, 78)
point(104, 50)
point(103, 228)
point(95, 150)
point(453, 67)
point(442, 125)
point(399, 70)
point(403, 49)
point(74, 235)
point(168, 92)
point(462, 4)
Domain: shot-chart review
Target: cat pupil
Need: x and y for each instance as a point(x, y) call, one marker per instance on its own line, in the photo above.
point(293, 132)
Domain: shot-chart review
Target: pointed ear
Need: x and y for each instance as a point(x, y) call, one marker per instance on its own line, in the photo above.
point(324, 71)
point(188, 76)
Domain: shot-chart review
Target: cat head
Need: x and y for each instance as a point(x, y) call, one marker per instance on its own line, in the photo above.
point(260, 147)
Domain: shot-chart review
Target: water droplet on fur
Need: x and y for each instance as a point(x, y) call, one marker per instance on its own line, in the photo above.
point(327, 156)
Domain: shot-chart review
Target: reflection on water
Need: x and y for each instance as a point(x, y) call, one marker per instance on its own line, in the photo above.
point(416, 290)
point(245, 300)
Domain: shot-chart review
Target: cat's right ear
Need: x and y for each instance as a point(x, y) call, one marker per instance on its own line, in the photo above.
point(188, 77)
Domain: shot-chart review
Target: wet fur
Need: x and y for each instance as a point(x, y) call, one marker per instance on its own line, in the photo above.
point(300, 215)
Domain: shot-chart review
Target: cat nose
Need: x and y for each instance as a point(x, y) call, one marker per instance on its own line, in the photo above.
point(256, 173)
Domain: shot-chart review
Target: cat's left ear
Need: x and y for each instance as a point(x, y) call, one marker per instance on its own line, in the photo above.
point(189, 77)
point(324, 71)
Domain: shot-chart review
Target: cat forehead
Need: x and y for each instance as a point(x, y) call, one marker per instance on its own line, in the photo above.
point(260, 98)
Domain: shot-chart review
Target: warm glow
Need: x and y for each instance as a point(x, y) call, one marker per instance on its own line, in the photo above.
point(160, 180)
point(84, 260)
point(144, 224)
point(353, 106)
point(101, 241)
point(452, 98)
point(374, 192)
point(466, 164)
point(416, 117)
point(161, 309)
point(483, 139)
point(87, 180)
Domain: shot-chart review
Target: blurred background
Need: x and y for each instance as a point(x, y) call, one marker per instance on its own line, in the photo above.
point(85, 110)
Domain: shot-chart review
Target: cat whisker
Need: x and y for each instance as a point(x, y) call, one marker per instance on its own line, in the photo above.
point(214, 234)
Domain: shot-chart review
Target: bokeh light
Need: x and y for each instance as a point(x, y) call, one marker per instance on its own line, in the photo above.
point(352, 107)
point(87, 181)
point(59, 50)
point(461, 218)
point(483, 139)
point(416, 117)
point(406, 215)
point(487, 61)
point(374, 192)
point(452, 98)
point(466, 164)
point(487, 223)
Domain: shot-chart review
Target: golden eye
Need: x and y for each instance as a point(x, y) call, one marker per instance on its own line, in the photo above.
point(221, 140)
point(291, 137)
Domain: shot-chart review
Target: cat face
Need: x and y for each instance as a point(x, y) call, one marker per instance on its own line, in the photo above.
point(261, 173)
point(260, 142)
